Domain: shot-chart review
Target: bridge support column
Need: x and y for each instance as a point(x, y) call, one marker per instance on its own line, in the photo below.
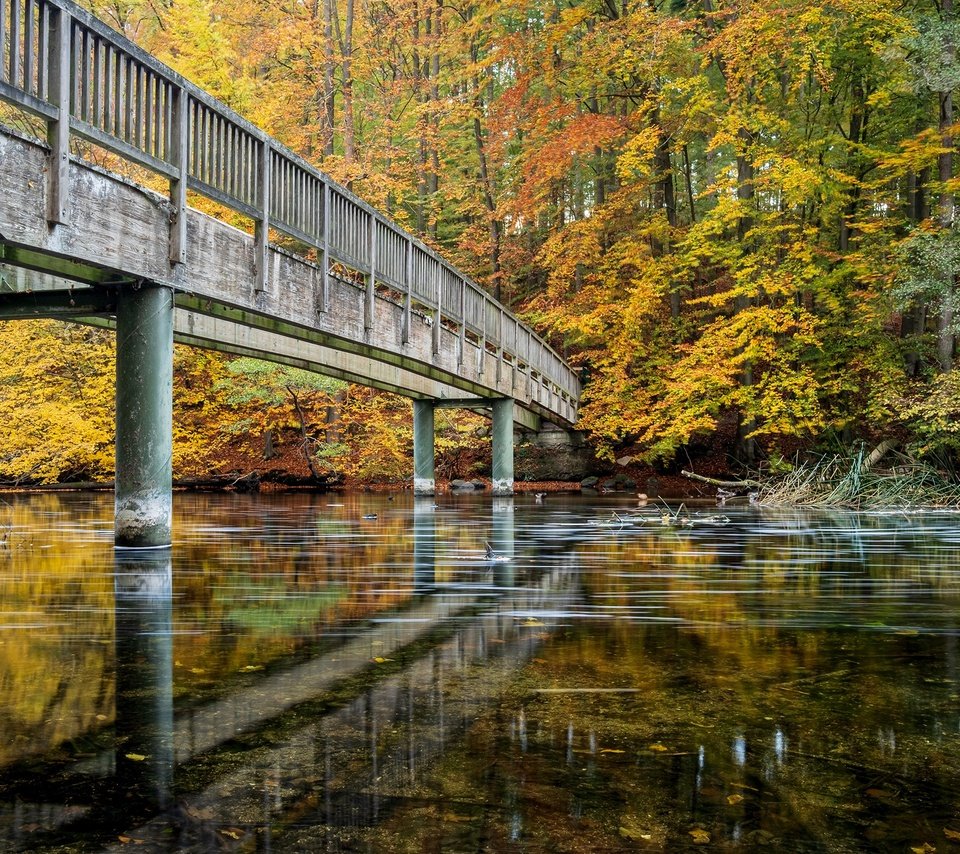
point(424, 482)
point(144, 444)
point(503, 446)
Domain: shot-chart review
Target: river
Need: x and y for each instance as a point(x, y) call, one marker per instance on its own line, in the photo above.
point(353, 672)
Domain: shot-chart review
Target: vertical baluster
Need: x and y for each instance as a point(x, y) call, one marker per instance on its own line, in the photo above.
point(298, 201)
point(14, 76)
point(438, 313)
point(222, 153)
point(118, 95)
point(407, 288)
point(168, 120)
point(129, 101)
point(462, 294)
point(179, 159)
point(109, 56)
point(85, 75)
point(43, 50)
point(216, 144)
point(228, 167)
point(292, 194)
point(202, 143)
point(58, 130)
point(209, 147)
point(482, 304)
point(194, 138)
point(146, 108)
point(262, 227)
point(370, 303)
point(499, 346)
point(3, 38)
point(325, 261)
point(97, 99)
point(158, 106)
point(28, 55)
point(243, 165)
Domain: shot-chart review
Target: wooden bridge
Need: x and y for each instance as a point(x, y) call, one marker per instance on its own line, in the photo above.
point(348, 293)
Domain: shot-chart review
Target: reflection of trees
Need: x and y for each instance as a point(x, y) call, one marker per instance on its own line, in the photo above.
point(56, 609)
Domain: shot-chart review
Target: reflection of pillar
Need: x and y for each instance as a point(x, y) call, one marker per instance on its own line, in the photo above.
point(503, 446)
point(424, 545)
point(423, 478)
point(502, 538)
point(144, 441)
point(144, 677)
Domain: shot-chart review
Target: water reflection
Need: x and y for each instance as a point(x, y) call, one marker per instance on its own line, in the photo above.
point(143, 720)
point(297, 677)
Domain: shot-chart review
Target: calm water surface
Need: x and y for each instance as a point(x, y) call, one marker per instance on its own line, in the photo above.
point(294, 677)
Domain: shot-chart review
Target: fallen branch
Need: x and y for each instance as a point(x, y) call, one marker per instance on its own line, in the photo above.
point(728, 484)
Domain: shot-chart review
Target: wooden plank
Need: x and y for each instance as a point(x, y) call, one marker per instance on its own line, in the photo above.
point(22, 99)
point(14, 76)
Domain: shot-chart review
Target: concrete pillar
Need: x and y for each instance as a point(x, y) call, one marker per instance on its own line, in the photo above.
point(423, 429)
point(144, 443)
point(503, 446)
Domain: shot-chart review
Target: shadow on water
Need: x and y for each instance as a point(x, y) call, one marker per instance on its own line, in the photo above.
point(301, 676)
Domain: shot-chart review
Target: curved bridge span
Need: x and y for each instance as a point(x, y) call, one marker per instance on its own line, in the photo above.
point(317, 278)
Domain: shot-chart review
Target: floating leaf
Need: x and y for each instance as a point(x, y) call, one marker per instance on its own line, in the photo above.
point(197, 670)
point(250, 668)
point(699, 836)
point(926, 848)
point(611, 750)
point(135, 757)
point(658, 747)
point(380, 660)
point(233, 834)
point(952, 835)
point(733, 800)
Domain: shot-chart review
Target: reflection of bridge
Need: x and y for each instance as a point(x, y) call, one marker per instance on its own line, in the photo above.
point(376, 306)
point(388, 724)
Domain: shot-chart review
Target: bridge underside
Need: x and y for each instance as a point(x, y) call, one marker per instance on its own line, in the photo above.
point(26, 294)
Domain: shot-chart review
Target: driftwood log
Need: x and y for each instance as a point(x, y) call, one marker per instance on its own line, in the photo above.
point(725, 484)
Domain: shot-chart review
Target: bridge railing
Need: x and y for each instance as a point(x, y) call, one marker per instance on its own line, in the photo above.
point(83, 78)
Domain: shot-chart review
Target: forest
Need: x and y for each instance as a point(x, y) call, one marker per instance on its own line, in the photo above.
point(735, 217)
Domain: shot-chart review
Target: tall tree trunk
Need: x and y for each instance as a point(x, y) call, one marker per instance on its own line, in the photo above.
point(490, 203)
point(746, 445)
point(857, 122)
point(433, 169)
point(345, 41)
point(945, 336)
point(328, 111)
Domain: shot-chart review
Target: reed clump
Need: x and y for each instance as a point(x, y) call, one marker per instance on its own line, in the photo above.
point(855, 480)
